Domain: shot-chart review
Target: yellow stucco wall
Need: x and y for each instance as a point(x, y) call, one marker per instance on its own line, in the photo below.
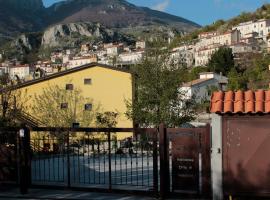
point(109, 89)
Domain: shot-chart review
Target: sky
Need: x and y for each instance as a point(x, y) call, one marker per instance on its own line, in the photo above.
point(203, 12)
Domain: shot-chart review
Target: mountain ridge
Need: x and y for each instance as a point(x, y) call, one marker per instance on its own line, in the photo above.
point(20, 16)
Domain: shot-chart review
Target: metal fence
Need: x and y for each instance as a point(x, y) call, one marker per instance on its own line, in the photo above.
point(95, 158)
point(158, 161)
point(8, 155)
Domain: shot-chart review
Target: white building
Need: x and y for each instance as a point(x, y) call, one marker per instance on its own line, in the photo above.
point(244, 48)
point(140, 45)
point(78, 61)
point(22, 71)
point(114, 50)
point(227, 38)
point(131, 57)
point(184, 57)
point(203, 55)
point(262, 27)
point(200, 89)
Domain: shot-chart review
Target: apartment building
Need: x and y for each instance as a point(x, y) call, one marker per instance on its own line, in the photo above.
point(183, 55)
point(21, 71)
point(203, 55)
point(78, 61)
point(262, 27)
point(227, 38)
point(131, 57)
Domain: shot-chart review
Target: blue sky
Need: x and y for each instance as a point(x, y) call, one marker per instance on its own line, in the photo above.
point(202, 12)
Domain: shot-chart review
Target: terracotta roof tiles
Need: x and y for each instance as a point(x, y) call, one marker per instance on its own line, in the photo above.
point(241, 102)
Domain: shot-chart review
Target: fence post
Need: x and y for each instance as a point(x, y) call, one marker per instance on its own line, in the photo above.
point(155, 163)
point(68, 160)
point(24, 159)
point(164, 162)
point(110, 162)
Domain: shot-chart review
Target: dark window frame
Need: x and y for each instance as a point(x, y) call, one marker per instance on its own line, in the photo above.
point(88, 107)
point(87, 81)
point(64, 106)
point(69, 86)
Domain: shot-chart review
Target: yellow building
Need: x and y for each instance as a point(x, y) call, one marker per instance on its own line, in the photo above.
point(103, 88)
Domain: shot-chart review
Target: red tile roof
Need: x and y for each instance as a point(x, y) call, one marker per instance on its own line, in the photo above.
point(240, 102)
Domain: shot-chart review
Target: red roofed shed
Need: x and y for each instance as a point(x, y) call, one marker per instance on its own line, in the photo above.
point(244, 118)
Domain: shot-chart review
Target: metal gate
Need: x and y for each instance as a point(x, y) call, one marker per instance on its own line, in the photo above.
point(156, 161)
point(188, 158)
point(95, 158)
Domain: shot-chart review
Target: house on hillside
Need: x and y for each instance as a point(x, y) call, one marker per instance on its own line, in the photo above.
point(201, 88)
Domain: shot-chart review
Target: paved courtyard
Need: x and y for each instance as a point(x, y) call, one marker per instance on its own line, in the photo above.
point(88, 171)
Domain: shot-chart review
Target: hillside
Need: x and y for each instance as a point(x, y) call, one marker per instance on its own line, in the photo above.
point(222, 25)
point(114, 14)
point(17, 16)
point(20, 16)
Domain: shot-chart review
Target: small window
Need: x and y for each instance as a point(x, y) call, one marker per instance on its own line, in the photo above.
point(69, 86)
point(88, 106)
point(64, 105)
point(87, 81)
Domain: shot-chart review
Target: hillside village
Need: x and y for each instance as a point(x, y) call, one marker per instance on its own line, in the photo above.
point(246, 40)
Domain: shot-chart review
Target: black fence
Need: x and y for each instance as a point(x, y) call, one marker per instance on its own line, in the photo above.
point(95, 158)
point(155, 161)
point(8, 156)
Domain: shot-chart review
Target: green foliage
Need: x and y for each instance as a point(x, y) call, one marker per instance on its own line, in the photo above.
point(12, 102)
point(236, 81)
point(221, 61)
point(257, 76)
point(107, 119)
point(157, 98)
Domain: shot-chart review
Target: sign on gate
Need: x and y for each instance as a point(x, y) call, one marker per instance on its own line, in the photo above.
point(185, 162)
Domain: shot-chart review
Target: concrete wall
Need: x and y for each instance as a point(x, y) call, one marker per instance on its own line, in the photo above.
point(216, 157)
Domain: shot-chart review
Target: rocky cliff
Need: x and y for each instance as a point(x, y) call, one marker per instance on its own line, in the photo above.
point(72, 34)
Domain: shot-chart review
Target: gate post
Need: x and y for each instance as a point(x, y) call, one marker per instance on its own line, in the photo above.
point(164, 162)
point(24, 159)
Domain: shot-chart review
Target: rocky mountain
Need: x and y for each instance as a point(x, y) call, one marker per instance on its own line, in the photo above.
point(20, 16)
point(74, 33)
point(114, 14)
point(69, 35)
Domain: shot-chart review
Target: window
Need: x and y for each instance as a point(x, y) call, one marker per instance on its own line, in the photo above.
point(88, 106)
point(69, 86)
point(87, 81)
point(64, 105)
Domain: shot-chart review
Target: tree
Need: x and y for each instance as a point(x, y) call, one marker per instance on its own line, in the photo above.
point(107, 119)
point(221, 61)
point(12, 102)
point(236, 80)
point(58, 107)
point(157, 96)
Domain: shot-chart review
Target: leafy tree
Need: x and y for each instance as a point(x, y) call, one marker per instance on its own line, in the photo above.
point(221, 61)
point(12, 102)
point(157, 96)
point(47, 107)
point(107, 119)
point(236, 80)
point(257, 76)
